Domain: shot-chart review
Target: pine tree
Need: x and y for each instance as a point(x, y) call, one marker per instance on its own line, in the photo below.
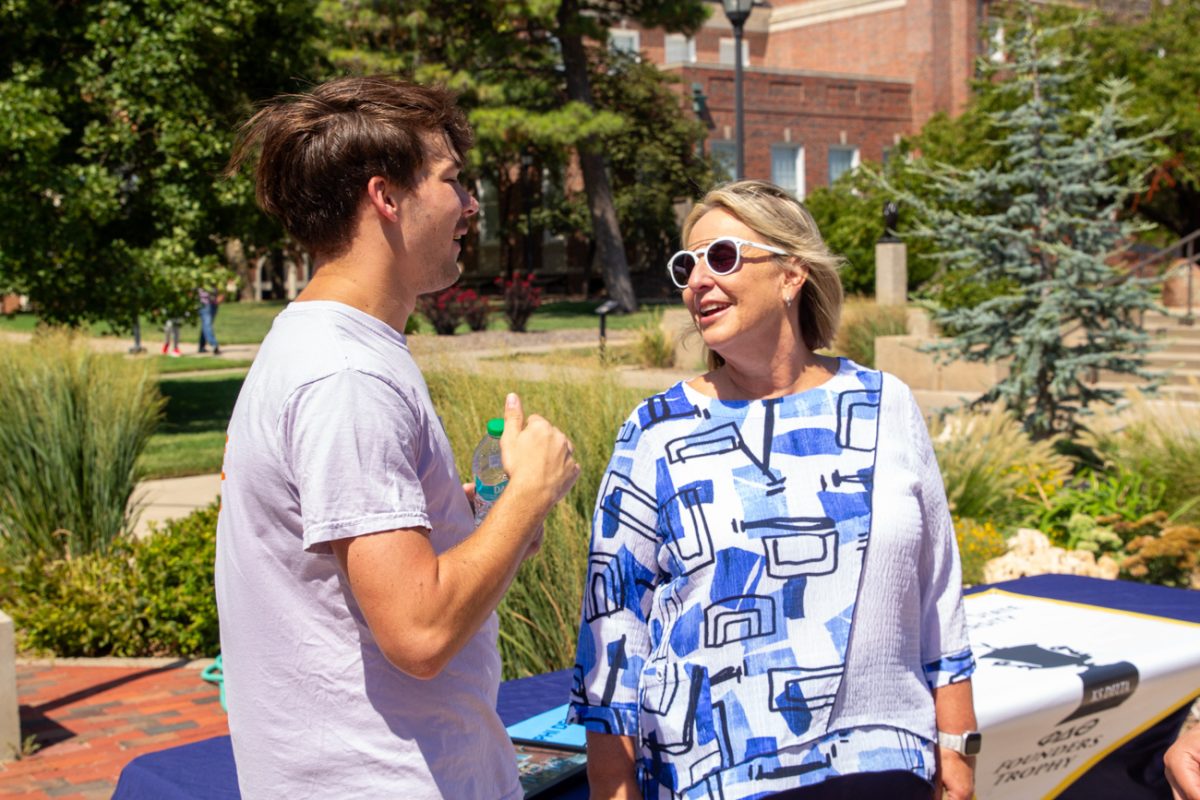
point(1043, 224)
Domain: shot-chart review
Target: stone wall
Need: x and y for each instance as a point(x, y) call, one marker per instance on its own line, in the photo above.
point(10, 720)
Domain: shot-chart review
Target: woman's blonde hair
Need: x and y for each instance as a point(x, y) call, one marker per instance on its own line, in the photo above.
point(781, 220)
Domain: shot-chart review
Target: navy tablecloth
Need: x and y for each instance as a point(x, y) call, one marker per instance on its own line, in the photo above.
point(205, 771)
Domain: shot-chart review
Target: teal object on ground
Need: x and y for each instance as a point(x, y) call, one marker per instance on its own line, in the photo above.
point(214, 673)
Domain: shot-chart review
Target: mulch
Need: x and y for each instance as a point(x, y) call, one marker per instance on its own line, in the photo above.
point(89, 718)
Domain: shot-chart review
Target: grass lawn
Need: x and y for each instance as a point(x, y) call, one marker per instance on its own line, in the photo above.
point(236, 323)
point(191, 439)
point(248, 323)
point(168, 366)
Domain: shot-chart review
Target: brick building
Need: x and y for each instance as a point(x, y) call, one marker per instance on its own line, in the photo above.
point(827, 83)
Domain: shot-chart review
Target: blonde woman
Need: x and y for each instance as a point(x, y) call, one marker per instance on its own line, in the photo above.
point(773, 604)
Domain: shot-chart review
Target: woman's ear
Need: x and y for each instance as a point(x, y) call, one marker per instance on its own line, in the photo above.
point(795, 278)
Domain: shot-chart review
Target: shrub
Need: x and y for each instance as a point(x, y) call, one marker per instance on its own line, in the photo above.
point(475, 310)
point(443, 310)
point(1101, 496)
point(143, 597)
point(978, 543)
point(1159, 442)
point(540, 615)
point(861, 323)
point(175, 584)
point(73, 426)
point(1171, 558)
point(992, 469)
point(521, 299)
point(654, 348)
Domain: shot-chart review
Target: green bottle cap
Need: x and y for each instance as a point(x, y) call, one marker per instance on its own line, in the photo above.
point(495, 427)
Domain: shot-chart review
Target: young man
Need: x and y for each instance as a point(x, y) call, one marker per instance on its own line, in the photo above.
point(357, 603)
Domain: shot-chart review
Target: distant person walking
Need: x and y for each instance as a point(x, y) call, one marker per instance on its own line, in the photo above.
point(171, 338)
point(210, 300)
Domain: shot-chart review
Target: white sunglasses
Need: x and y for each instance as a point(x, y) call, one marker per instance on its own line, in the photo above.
point(724, 256)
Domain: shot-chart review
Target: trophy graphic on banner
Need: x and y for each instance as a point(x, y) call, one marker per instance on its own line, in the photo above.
point(1104, 685)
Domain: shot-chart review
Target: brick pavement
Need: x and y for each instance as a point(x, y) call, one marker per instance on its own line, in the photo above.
point(91, 717)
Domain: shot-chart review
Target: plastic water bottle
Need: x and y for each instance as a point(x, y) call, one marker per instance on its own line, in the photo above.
point(490, 478)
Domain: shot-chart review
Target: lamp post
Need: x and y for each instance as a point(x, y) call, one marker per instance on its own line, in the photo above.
point(738, 11)
point(604, 309)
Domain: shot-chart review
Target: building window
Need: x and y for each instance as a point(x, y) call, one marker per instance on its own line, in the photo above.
point(787, 168)
point(841, 161)
point(726, 52)
point(489, 212)
point(724, 155)
point(622, 41)
point(679, 49)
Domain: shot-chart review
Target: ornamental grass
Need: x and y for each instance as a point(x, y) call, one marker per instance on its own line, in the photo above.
point(1159, 441)
point(73, 426)
point(539, 616)
point(992, 469)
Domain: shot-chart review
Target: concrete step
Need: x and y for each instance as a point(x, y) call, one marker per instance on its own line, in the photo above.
point(1188, 394)
point(1175, 345)
point(1175, 358)
point(1181, 376)
point(1172, 326)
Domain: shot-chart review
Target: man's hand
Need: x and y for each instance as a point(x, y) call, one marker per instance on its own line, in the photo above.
point(537, 456)
point(955, 778)
point(1183, 765)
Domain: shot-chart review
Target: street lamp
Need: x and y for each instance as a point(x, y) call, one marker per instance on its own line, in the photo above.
point(738, 11)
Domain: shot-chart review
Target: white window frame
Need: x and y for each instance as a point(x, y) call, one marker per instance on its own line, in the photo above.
point(855, 160)
point(632, 45)
point(679, 41)
point(725, 52)
point(729, 147)
point(488, 197)
point(797, 152)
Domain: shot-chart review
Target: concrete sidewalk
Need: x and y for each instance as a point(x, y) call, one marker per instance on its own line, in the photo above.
point(170, 498)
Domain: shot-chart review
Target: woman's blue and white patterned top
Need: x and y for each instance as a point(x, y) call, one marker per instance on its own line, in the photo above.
point(773, 590)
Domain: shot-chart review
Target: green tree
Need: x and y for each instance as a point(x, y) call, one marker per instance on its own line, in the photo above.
point(654, 159)
point(1159, 53)
point(540, 88)
point(578, 21)
point(116, 117)
point(1043, 223)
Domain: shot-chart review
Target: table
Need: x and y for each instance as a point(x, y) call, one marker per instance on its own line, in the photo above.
point(1078, 689)
point(1124, 765)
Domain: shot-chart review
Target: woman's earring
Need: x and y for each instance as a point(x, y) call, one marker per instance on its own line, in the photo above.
point(789, 302)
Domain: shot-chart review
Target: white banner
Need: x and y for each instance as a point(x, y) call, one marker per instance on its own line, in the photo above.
point(1061, 685)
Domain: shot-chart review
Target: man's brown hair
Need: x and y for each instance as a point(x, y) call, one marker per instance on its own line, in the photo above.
point(316, 151)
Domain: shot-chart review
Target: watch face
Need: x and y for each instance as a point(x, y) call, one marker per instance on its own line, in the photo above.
point(972, 743)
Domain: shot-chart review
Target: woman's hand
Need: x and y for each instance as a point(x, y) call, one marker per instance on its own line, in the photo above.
point(610, 767)
point(955, 776)
point(954, 708)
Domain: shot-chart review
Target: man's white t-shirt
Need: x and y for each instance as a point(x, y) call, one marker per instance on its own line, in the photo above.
point(334, 436)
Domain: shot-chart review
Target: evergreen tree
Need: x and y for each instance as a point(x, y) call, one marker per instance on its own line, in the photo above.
point(1043, 223)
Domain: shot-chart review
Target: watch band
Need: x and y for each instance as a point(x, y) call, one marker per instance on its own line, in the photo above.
point(967, 743)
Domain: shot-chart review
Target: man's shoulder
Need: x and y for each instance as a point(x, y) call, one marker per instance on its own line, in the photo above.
point(329, 337)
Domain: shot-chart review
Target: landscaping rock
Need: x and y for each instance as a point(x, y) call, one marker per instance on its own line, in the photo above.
point(1030, 553)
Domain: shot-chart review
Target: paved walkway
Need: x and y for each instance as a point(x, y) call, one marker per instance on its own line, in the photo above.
point(90, 717)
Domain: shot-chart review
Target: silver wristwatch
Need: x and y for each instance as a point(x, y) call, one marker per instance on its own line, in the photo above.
point(967, 743)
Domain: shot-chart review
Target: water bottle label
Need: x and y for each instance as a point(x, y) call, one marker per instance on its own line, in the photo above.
point(488, 492)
